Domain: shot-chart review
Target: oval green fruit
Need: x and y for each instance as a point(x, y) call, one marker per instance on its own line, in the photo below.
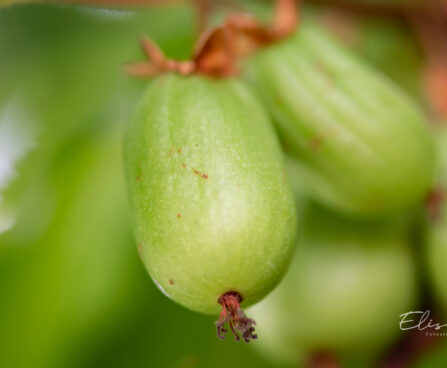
point(212, 208)
point(344, 290)
point(362, 146)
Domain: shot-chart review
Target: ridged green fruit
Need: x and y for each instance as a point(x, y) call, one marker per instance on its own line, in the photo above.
point(344, 290)
point(437, 233)
point(363, 147)
point(212, 208)
point(381, 41)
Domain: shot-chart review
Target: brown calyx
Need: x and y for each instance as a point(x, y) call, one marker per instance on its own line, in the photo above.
point(236, 318)
point(218, 49)
point(252, 34)
point(213, 56)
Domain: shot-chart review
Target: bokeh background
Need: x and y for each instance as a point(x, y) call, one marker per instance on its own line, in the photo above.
point(73, 292)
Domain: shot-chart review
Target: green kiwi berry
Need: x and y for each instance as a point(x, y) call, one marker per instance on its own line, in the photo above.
point(214, 215)
point(362, 145)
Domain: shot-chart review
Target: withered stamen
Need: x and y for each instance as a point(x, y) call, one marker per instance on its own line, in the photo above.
point(236, 318)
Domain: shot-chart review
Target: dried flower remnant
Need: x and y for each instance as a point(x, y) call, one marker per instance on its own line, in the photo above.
point(251, 35)
point(218, 49)
point(236, 318)
point(214, 56)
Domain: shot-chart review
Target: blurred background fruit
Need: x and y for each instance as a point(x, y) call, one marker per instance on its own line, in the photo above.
point(437, 228)
point(347, 125)
point(346, 285)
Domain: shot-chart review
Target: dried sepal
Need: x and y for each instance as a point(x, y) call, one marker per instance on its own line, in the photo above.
point(232, 314)
point(157, 63)
point(218, 49)
point(214, 56)
point(286, 18)
point(215, 53)
point(251, 34)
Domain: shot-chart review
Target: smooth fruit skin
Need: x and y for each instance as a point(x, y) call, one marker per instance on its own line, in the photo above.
point(362, 146)
point(437, 232)
point(343, 293)
point(212, 208)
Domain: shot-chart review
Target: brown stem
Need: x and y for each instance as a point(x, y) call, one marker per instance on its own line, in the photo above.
point(235, 317)
point(252, 34)
point(283, 24)
point(286, 17)
point(203, 10)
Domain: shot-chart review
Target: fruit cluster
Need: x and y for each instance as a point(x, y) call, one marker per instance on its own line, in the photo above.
point(273, 130)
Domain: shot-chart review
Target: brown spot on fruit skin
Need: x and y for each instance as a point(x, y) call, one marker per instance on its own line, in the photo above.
point(319, 139)
point(316, 142)
point(179, 150)
point(184, 165)
point(138, 178)
point(179, 215)
point(197, 172)
point(171, 282)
